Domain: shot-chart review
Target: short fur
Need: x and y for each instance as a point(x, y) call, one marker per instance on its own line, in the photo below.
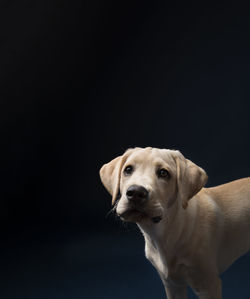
point(202, 231)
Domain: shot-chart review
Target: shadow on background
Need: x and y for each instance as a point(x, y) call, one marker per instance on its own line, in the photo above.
point(80, 82)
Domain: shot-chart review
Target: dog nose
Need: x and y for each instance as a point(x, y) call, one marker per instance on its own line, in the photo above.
point(137, 194)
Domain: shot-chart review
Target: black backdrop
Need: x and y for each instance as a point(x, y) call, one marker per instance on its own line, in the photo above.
point(81, 81)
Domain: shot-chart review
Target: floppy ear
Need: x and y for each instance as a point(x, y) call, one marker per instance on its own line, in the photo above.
point(190, 178)
point(110, 174)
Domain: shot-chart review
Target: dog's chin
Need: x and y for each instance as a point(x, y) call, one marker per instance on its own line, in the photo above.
point(134, 215)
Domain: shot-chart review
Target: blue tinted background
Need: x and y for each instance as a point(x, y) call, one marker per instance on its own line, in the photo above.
point(80, 82)
point(98, 265)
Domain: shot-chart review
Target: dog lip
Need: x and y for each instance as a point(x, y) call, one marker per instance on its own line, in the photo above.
point(137, 213)
point(127, 212)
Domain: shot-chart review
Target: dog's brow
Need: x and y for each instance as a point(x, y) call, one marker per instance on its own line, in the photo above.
point(159, 162)
point(135, 160)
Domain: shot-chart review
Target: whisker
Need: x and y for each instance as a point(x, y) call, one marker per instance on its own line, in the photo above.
point(112, 211)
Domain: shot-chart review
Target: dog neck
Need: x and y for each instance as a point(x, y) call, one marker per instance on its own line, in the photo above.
point(163, 239)
point(170, 222)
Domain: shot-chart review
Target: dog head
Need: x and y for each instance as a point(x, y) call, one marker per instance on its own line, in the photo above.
point(148, 181)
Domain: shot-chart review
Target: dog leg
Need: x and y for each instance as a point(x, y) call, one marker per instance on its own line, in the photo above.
point(175, 290)
point(209, 287)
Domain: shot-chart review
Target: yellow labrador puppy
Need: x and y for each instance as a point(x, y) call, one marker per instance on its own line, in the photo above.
point(192, 234)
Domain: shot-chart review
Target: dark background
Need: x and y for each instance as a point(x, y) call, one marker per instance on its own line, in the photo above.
point(80, 83)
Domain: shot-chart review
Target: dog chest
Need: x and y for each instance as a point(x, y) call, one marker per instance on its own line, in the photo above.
point(168, 266)
point(157, 259)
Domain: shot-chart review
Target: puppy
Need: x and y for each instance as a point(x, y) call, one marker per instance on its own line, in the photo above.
point(192, 233)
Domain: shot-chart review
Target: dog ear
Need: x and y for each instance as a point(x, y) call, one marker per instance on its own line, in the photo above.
point(190, 178)
point(110, 174)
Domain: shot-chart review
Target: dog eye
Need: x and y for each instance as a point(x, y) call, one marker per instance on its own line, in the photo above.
point(128, 170)
point(163, 173)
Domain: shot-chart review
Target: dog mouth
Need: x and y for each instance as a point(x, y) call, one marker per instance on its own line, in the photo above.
point(135, 215)
point(131, 212)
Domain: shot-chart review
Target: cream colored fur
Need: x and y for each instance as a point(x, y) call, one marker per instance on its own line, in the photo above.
point(202, 231)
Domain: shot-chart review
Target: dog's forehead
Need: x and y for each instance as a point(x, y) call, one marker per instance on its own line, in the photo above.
point(151, 155)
